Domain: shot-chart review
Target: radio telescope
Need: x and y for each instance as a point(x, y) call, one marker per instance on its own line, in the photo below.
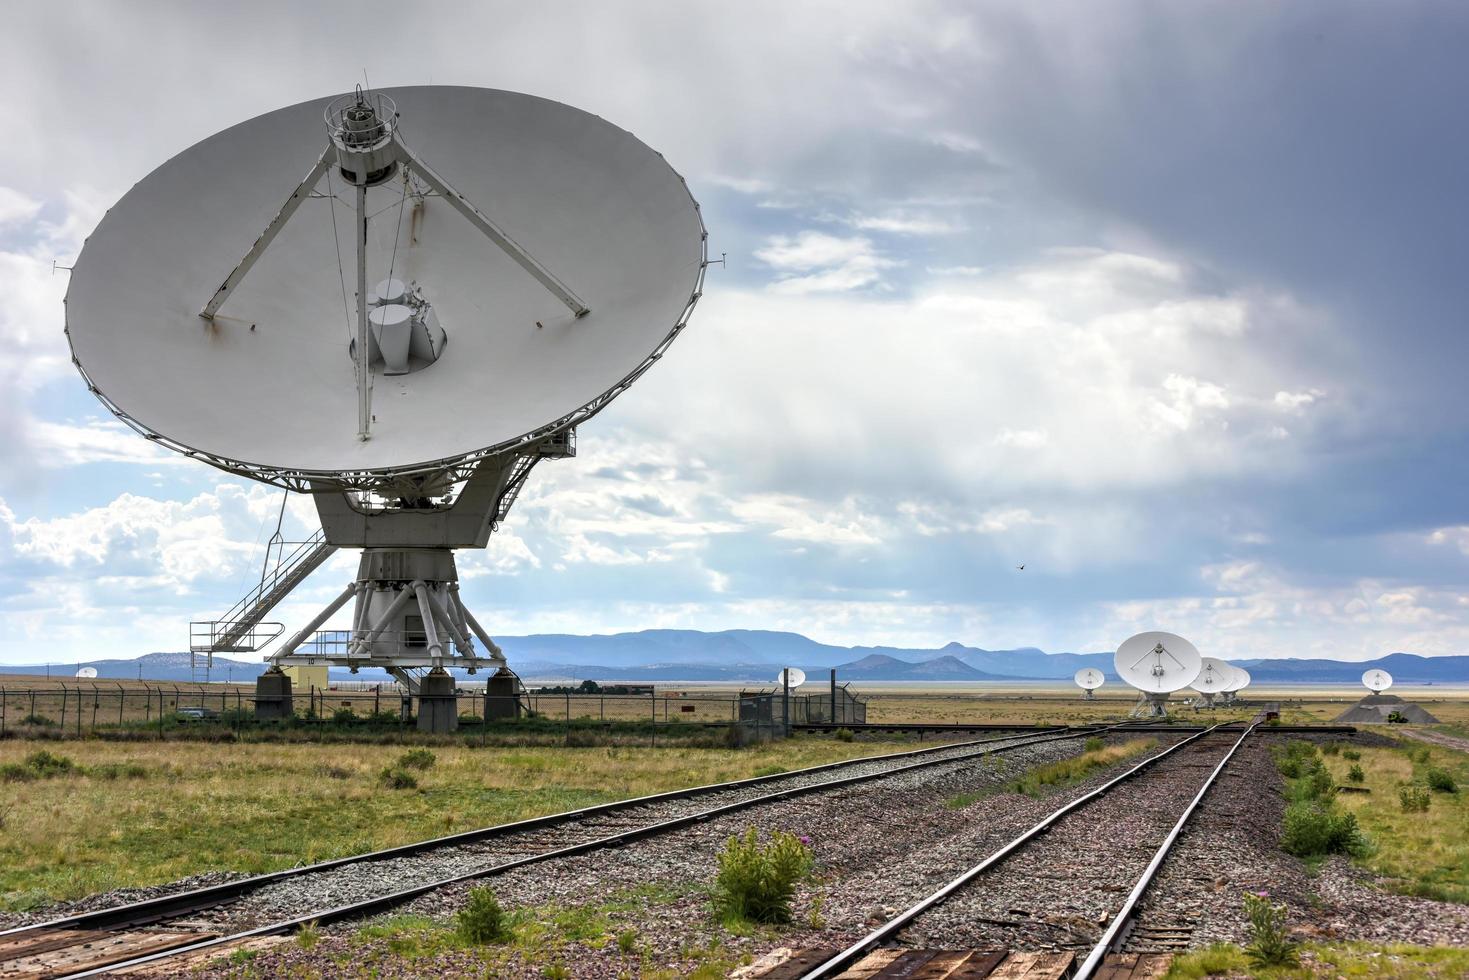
point(791, 677)
point(86, 673)
point(460, 278)
point(1376, 680)
point(1215, 678)
point(1157, 664)
point(1089, 679)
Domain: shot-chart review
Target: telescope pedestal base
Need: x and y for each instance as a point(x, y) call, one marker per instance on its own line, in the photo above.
point(273, 695)
point(438, 703)
point(1151, 706)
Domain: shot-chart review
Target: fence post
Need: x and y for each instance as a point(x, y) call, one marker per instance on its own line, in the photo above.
point(63, 709)
point(160, 712)
point(2, 710)
point(568, 715)
point(653, 704)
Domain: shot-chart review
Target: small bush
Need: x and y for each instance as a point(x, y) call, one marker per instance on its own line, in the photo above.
point(45, 765)
point(1331, 748)
point(40, 721)
point(1268, 943)
point(14, 772)
point(843, 735)
point(420, 759)
point(1414, 799)
point(397, 778)
point(1419, 754)
point(1355, 774)
point(482, 920)
point(770, 770)
point(345, 717)
point(118, 770)
point(755, 883)
point(1092, 744)
point(1441, 781)
point(1397, 718)
point(1352, 755)
point(1318, 783)
point(1296, 760)
point(1313, 828)
point(627, 941)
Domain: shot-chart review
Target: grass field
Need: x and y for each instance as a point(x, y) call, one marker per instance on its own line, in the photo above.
point(129, 814)
point(1336, 961)
point(1419, 853)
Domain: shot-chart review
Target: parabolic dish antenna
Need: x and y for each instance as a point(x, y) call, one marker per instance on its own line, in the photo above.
point(586, 263)
point(1376, 680)
point(1157, 664)
point(86, 673)
point(796, 676)
point(1215, 677)
point(400, 301)
point(1089, 679)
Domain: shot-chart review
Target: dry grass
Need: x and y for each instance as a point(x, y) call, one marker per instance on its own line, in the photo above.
point(254, 808)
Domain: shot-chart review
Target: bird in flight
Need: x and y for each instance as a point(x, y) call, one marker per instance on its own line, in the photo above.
point(1020, 568)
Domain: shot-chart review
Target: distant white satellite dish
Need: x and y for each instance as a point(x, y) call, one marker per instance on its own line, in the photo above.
point(1157, 664)
point(796, 674)
point(1215, 677)
point(1377, 681)
point(87, 672)
point(1089, 679)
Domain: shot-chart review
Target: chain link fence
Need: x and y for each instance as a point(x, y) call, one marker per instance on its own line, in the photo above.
point(80, 708)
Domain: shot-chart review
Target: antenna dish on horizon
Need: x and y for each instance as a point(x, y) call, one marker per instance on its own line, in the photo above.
point(1089, 679)
point(86, 673)
point(796, 674)
point(1377, 680)
point(1215, 677)
point(1157, 664)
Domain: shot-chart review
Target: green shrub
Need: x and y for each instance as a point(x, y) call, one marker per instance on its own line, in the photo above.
point(1092, 744)
point(843, 735)
point(397, 778)
point(1441, 781)
point(1268, 944)
point(308, 935)
point(421, 759)
point(45, 765)
point(770, 770)
point(118, 770)
point(1313, 828)
point(627, 941)
point(1419, 754)
point(1397, 718)
point(1351, 755)
point(1296, 759)
point(1331, 748)
point(1318, 783)
point(14, 772)
point(482, 920)
point(1414, 799)
point(755, 883)
point(40, 721)
point(344, 717)
point(1355, 774)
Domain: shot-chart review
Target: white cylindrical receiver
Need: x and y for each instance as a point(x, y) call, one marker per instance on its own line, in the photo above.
point(392, 326)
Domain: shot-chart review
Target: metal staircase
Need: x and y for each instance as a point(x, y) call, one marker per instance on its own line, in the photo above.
point(240, 630)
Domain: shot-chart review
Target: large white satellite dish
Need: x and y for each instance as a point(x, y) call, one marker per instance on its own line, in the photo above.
point(1089, 679)
point(1215, 678)
point(460, 277)
point(1157, 664)
point(86, 673)
point(1376, 680)
point(794, 676)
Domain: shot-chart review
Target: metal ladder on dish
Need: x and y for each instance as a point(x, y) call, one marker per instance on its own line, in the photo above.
point(240, 630)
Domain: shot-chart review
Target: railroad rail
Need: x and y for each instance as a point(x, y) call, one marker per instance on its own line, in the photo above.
point(858, 952)
point(133, 935)
point(958, 728)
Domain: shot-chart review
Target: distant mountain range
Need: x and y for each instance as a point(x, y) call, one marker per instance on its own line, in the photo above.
point(756, 656)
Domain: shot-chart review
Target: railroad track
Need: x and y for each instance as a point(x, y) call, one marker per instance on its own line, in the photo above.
point(208, 921)
point(1180, 775)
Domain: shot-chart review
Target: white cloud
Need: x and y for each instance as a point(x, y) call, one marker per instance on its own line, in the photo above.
point(905, 224)
point(796, 519)
point(16, 208)
point(815, 262)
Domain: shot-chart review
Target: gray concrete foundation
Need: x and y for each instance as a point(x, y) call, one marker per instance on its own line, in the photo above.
point(273, 696)
point(438, 705)
point(502, 695)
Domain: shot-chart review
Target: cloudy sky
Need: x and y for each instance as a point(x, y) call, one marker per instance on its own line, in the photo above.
point(1165, 301)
